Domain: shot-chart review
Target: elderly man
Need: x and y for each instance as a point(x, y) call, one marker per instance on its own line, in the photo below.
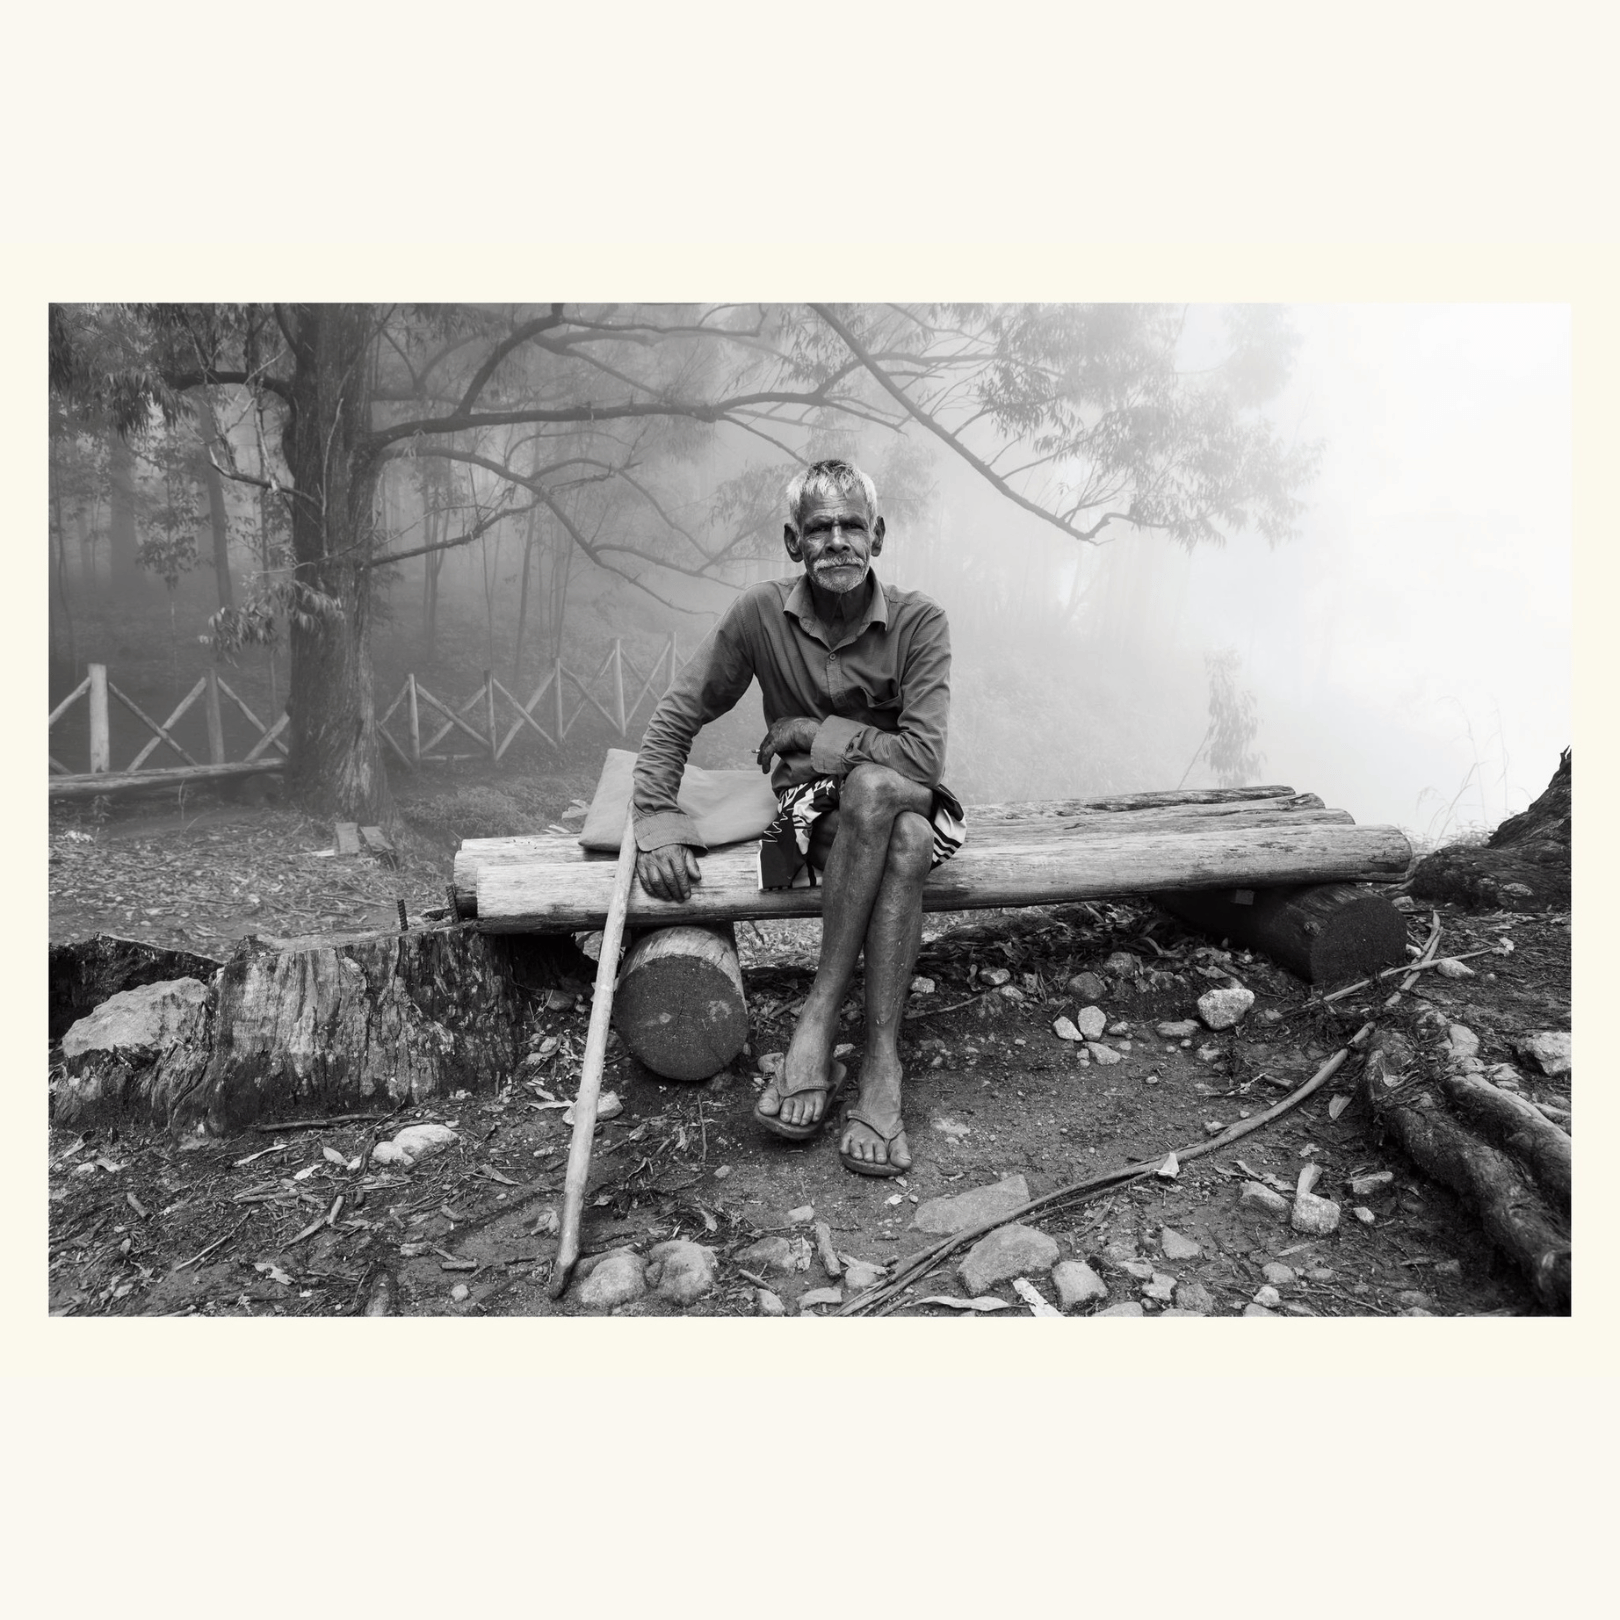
point(856, 687)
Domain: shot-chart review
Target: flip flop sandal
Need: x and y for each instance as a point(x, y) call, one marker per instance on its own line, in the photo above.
point(802, 1133)
point(867, 1167)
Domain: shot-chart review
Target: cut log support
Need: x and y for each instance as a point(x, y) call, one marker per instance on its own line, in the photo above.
point(555, 886)
point(1327, 933)
point(680, 1005)
point(90, 787)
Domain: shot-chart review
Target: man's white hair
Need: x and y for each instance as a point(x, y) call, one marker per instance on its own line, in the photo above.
point(826, 478)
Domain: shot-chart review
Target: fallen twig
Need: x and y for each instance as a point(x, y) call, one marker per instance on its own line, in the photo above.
point(204, 1253)
point(316, 1124)
point(1411, 970)
point(882, 1298)
point(955, 1006)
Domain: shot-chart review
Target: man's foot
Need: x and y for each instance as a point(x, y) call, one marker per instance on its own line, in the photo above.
point(799, 1096)
point(874, 1139)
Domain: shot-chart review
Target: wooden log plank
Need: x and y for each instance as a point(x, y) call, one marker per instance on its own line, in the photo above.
point(545, 896)
point(475, 853)
point(346, 837)
point(100, 736)
point(216, 721)
point(376, 842)
point(89, 787)
point(680, 1005)
point(1326, 933)
point(416, 720)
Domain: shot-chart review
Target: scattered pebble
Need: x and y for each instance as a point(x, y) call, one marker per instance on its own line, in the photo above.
point(769, 1304)
point(819, 1296)
point(1256, 1195)
point(413, 1144)
point(616, 1280)
point(1413, 1299)
point(1119, 1028)
point(460, 1292)
point(1177, 1029)
point(922, 986)
point(1130, 1307)
point(1464, 1043)
point(1091, 1022)
point(1010, 1251)
point(721, 1171)
point(1222, 1009)
point(1213, 1127)
point(1549, 1050)
point(608, 1106)
point(1313, 1215)
point(994, 977)
point(1195, 1299)
point(1257, 1310)
point(1176, 1246)
point(1077, 1284)
point(805, 1212)
point(1207, 1054)
point(1161, 1288)
point(1100, 1053)
point(859, 1275)
point(1065, 1030)
point(943, 1216)
point(776, 1253)
point(1363, 1214)
point(1448, 967)
point(1139, 1269)
point(1268, 1296)
point(682, 1271)
point(1367, 1186)
point(1086, 987)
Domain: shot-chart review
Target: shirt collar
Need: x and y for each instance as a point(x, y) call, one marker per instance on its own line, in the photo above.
point(802, 606)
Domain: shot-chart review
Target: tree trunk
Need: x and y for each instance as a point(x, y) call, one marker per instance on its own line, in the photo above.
point(124, 571)
point(335, 764)
point(1326, 934)
point(85, 972)
point(680, 1005)
point(208, 429)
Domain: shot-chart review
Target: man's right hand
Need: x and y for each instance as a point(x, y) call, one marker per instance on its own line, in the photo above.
point(668, 873)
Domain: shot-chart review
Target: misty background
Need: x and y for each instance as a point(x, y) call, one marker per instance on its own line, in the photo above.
point(1405, 654)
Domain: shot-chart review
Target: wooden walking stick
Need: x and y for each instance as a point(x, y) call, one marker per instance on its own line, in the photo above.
point(590, 1077)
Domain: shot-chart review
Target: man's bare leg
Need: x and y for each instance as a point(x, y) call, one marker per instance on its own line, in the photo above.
point(872, 797)
point(893, 937)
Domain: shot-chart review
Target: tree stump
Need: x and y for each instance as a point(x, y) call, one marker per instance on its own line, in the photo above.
point(680, 1006)
point(1327, 933)
point(83, 973)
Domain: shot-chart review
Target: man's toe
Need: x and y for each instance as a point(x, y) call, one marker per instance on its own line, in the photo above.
point(770, 1101)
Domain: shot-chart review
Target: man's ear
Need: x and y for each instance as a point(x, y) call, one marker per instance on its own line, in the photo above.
point(790, 539)
point(877, 536)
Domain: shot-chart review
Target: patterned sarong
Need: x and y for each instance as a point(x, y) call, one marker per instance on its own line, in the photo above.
point(784, 851)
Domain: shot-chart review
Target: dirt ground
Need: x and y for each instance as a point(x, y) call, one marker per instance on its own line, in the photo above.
point(141, 1224)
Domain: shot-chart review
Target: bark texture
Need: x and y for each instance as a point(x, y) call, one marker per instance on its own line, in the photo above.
point(83, 973)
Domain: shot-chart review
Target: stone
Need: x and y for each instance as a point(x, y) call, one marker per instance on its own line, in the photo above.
point(1176, 1029)
point(1161, 1288)
point(943, 1216)
point(1504, 1076)
point(776, 1254)
point(994, 977)
point(1118, 1250)
point(1100, 1053)
point(1462, 1041)
point(1130, 1308)
point(1077, 1284)
point(1208, 1054)
point(1277, 1274)
point(1268, 1296)
point(107, 1051)
point(1414, 1299)
point(608, 1106)
point(804, 1213)
point(1257, 1310)
point(819, 1296)
point(769, 1304)
point(617, 1280)
point(1065, 1030)
point(1549, 1050)
point(1086, 987)
point(1314, 1216)
point(1369, 1185)
point(1363, 1214)
point(413, 1144)
point(1448, 967)
point(1010, 1251)
point(681, 1270)
point(859, 1275)
point(1225, 1008)
point(921, 985)
point(1176, 1246)
point(460, 1292)
point(1175, 1310)
point(1122, 965)
point(1256, 1195)
point(1010, 992)
point(1139, 1269)
point(1118, 1027)
point(1449, 1268)
point(1194, 1298)
point(1092, 1022)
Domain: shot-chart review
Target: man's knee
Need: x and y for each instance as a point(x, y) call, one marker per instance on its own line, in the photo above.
point(875, 794)
point(911, 843)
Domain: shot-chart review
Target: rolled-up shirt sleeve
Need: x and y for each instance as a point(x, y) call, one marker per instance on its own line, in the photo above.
point(708, 687)
point(917, 748)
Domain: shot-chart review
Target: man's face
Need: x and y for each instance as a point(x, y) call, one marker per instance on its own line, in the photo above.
point(837, 538)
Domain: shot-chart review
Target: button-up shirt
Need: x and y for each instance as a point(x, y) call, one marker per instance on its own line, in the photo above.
point(880, 688)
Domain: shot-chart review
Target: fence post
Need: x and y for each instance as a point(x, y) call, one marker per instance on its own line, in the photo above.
point(100, 740)
point(416, 722)
point(557, 694)
point(489, 714)
point(618, 686)
point(216, 726)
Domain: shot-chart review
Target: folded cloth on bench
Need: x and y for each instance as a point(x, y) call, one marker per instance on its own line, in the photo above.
point(784, 851)
point(727, 806)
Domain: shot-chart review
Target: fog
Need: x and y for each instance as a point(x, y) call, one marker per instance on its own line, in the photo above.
point(1405, 654)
